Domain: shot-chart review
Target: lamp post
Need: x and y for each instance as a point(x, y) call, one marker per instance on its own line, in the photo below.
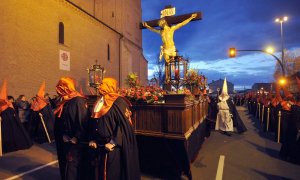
point(281, 20)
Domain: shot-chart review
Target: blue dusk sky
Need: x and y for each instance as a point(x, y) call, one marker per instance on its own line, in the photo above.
point(244, 24)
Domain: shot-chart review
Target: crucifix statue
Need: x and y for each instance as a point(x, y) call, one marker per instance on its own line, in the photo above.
point(166, 31)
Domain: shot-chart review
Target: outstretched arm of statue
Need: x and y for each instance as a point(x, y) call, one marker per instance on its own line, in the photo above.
point(175, 27)
point(151, 28)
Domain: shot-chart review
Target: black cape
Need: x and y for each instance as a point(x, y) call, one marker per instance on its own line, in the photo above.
point(37, 131)
point(71, 123)
point(237, 121)
point(122, 163)
point(14, 135)
point(289, 143)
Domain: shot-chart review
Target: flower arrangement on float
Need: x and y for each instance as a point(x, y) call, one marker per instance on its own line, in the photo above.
point(141, 94)
point(194, 81)
point(132, 80)
point(149, 94)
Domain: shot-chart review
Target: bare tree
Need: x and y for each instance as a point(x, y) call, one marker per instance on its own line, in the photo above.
point(291, 63)
point(159, 71)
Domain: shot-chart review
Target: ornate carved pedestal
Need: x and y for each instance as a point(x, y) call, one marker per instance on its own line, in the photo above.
point(169, 136)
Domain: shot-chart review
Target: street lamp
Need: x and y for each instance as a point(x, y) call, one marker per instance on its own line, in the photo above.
point(281, 20)
point(232, 53)
point(282, 81)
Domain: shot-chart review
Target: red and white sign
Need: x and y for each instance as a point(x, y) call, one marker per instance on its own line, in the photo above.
point(64, 60)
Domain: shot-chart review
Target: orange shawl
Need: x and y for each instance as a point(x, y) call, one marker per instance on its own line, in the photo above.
point(108, 89)
point(65, 88)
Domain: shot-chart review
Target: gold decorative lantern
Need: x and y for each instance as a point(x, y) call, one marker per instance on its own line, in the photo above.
point(176, 71)
point(95, 75)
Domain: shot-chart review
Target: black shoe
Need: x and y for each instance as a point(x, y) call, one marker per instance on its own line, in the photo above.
point(227, 133)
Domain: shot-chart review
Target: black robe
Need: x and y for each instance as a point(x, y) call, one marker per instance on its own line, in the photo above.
point(122, 163)
point(37, 131)
point(14, 135)
point(73, 124)
point(237, 121)
point(289, 147)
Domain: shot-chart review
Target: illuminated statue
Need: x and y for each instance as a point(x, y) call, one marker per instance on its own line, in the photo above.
point(168, 49)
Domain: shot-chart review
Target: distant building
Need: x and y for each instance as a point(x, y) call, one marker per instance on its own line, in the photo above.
point(214, 85)
point(267, 87)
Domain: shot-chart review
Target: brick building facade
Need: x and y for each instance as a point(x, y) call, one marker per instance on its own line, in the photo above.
point(103, 30)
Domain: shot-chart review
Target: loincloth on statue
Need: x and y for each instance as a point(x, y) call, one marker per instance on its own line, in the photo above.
point(168, 51)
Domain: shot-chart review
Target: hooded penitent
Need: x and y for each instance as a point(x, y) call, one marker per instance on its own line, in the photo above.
point(224, 95)
point(108, 89)
point(4, 103)
point(14, 136)
point(65, 88)
point(39, 102)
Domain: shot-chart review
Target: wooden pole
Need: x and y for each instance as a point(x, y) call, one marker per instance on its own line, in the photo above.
point(256, 110)
point(263, 113)
point(0, 136)
point(45, 128)
point(258, 105)
point(268, 119)
point(278, 130)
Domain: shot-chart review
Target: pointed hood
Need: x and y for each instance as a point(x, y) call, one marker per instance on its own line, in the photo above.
point(204, 91)
point(41, 92)
point(3, 92)
point(4, 103)
point(224, 95)
point(39, 102)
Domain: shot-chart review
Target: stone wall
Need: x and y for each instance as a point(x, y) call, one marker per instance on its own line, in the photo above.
point(29, 45)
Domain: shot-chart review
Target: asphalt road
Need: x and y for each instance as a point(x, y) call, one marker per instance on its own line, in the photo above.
point(252, 155)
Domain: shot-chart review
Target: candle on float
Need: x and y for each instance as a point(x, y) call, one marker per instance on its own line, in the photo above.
point(177, 73)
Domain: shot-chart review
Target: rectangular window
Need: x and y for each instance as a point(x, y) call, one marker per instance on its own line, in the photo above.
point(108, 52)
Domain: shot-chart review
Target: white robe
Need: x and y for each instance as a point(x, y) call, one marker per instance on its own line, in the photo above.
point(224, 121)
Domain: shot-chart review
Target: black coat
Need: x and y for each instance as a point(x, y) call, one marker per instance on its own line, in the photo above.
point(14, 136)
point(237, 121)
point(73, 124)
point(122, 162)
point(37, 131)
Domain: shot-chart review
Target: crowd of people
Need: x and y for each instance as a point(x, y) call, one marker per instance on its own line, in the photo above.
point(99, 143)
point(91, 143)
point(279, 114)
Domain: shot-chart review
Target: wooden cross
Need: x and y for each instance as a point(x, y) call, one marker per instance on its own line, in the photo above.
point(166, 31)
point(173, 19)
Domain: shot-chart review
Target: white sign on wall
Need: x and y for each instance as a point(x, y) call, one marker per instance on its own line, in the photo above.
point(64, 60)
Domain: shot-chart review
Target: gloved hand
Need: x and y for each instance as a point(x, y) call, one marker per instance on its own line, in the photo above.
point(109, 146)
point(93, 144)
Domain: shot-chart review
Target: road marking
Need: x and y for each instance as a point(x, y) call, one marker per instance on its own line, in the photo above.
point(32, 170)
point(220, 168)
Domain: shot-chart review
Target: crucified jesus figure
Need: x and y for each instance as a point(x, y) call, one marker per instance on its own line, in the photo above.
point(168, 49)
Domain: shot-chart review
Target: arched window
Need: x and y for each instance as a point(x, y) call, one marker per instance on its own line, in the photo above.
point(61, 33)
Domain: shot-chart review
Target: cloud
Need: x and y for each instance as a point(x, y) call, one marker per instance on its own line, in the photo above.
point(235, 23)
